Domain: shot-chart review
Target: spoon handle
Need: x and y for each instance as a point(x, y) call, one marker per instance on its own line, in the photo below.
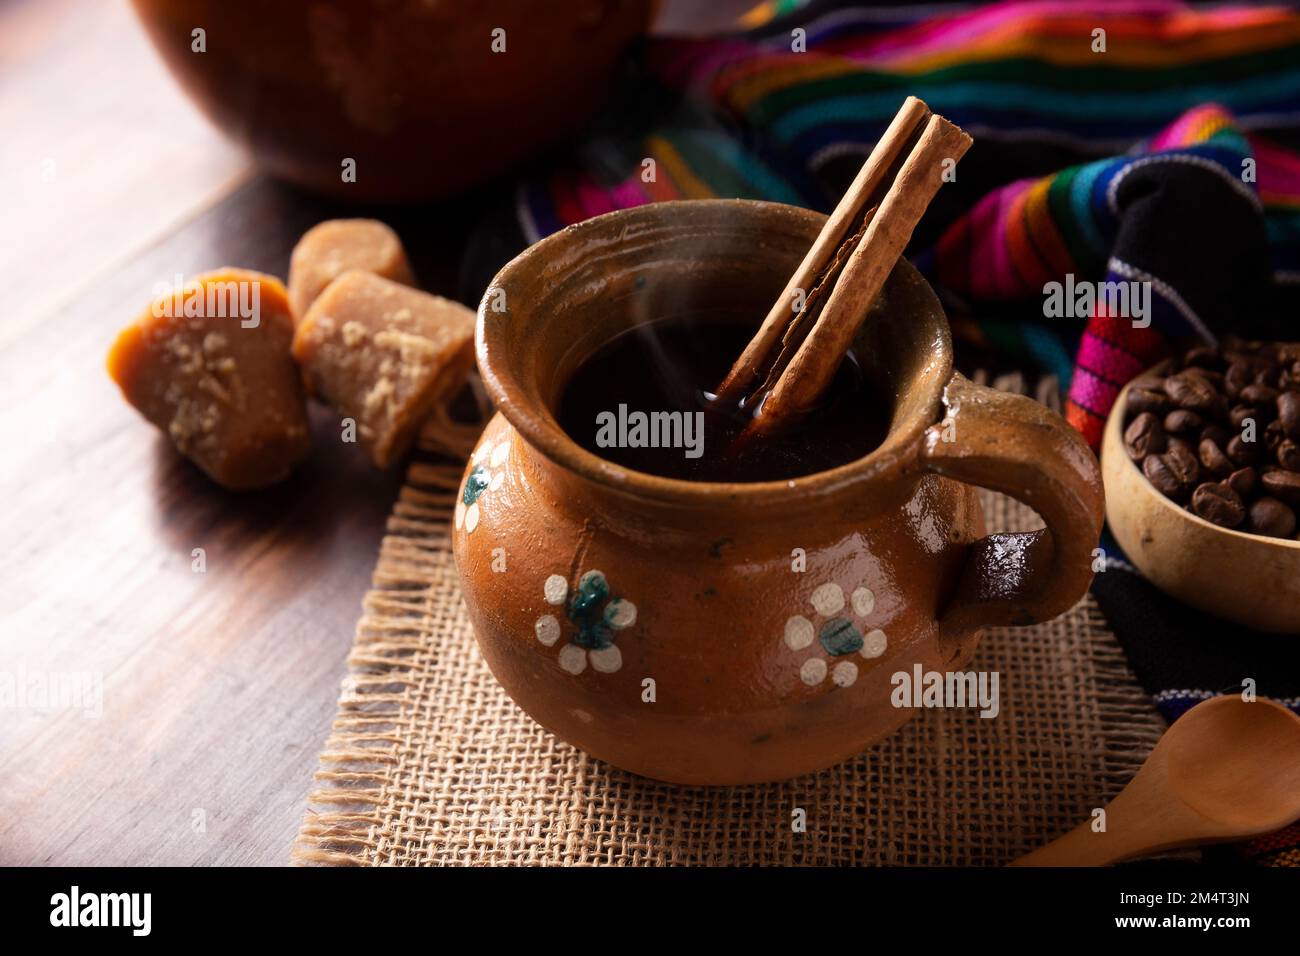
point(1080, 847)
point(1142, 818)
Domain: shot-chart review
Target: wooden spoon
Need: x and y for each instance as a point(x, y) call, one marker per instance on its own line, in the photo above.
point(1228, 769)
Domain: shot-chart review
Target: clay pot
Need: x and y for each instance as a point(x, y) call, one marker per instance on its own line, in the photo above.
point(714, 658)
point(413, 91)
point(1251, 580)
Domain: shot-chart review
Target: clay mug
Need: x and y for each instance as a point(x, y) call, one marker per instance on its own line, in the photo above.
point(711, 633)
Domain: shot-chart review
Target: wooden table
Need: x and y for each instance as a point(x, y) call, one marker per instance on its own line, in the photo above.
point(218, 687)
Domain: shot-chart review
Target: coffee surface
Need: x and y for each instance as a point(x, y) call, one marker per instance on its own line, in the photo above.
point(645, 401)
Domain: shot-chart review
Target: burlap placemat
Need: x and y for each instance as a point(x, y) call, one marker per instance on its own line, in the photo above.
point(429, 762)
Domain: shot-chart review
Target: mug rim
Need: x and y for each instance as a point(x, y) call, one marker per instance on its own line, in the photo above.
point(895, 453)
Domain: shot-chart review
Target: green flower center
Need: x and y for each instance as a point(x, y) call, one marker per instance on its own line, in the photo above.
point(475, 485)
point(840, 637)
point(586, 609)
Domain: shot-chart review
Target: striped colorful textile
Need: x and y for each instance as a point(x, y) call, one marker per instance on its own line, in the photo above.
point(1033, 232)
point(1276, 849)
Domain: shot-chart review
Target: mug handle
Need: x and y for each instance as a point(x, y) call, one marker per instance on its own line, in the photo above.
point(1015, 445)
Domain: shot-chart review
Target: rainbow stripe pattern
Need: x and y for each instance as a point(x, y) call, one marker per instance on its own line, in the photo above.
point(751, 116)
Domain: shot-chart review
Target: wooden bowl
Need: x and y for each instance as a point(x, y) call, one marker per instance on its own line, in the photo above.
point(1245, 578)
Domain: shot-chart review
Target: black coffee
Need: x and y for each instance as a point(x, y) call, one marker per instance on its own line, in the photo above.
point(645, 401)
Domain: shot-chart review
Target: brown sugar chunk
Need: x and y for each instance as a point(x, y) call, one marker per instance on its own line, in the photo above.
point(210, 365)
point(329, 249)
point(385, 356)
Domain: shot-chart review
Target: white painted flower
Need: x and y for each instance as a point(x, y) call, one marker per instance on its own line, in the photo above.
point(487, 475)
point(594, 614)
point(838, 637)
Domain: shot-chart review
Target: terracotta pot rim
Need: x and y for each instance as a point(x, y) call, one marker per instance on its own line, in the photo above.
point(1117, 414)
point(542, 433)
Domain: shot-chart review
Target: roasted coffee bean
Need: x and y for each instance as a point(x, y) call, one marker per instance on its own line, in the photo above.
point(1243, 481)
point(1258, 395)
point(1162, 477)
point(1248, 355)
point(1217, 434)
point(1281, 484)
point(1144, 436)
point(1270, 517)
point(1147, 400)
point(1191, 392)
point(1267, 377)
point(1149, 382)
point(1215, 463)
point(1217, 503)
point(1203, 410)
point(1203, 356)
point(1236, 378)
point(1182, 422)
point(1288, 455)
point(1242, 452)
point(1211, 376)
point(1273, 436)
point(1181, 461)
point(1241, 413)
point(1288, 413)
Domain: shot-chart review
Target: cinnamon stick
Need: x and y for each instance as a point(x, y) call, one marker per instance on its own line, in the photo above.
point(845, 221)
point(793, 357)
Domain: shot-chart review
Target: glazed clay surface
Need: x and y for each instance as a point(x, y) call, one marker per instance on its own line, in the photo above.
point(734, 633)
point(399, 86)
point(760, 671)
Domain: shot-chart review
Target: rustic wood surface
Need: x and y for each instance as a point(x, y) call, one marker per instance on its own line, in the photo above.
point(218, 687)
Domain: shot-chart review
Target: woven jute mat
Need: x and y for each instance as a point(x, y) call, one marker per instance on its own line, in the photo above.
point(429, 762)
